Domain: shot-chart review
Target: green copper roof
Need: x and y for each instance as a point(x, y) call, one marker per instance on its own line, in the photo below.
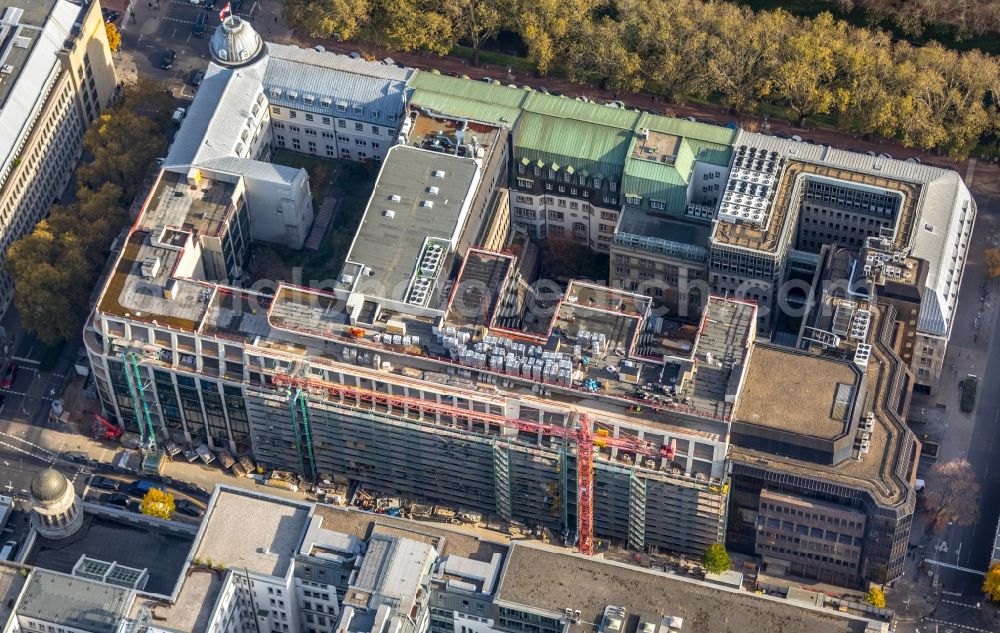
point(466, 108)
point(565, 108)
point(469, 89)
point(584, 145)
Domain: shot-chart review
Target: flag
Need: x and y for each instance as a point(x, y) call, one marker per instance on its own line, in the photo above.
point(226, 9)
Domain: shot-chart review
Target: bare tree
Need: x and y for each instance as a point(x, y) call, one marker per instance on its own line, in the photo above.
point(952, 494)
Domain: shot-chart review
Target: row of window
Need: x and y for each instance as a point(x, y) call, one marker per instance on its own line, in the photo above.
point(778, 508)
point(292, 97)
point(566, 175)
point(341, 123)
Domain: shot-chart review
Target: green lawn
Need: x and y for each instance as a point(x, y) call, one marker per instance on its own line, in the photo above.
point(352, 188)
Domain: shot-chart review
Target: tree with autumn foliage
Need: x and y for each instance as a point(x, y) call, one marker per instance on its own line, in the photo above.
point(991, 584)
point(952, 494)
point(157, 503)
point(114, 37)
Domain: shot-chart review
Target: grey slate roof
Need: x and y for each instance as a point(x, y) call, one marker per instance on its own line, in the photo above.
point(217, 115)
point(376, 88)
point(253, 169)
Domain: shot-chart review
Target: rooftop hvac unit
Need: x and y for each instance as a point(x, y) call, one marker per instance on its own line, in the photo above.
point(437, 173)
point(427, 204)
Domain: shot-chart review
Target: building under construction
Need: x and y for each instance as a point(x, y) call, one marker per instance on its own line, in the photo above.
point(432, 370)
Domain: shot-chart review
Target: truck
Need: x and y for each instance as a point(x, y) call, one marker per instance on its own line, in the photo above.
point(8, 551)
point(102, 429)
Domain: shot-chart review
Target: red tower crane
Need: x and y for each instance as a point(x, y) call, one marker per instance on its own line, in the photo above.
point(584, 437)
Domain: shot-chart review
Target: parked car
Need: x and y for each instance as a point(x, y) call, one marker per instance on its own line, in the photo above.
point(110, 16)
point(190, 508)
point(197, 77)
point(9, 374)
point(141, 487)
point(168, 60)
point(200, 25)
point(119, 499)
point(179, 115)
point(104, 483)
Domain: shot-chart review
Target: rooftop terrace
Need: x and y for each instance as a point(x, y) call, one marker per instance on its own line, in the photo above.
point(446, 135)
point(553, 582)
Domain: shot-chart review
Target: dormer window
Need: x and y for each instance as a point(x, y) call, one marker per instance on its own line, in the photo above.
point(292, 96)
point(275, 93)
point(308, 99)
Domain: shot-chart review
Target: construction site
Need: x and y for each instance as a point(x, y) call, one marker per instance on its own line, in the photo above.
point(434, 371)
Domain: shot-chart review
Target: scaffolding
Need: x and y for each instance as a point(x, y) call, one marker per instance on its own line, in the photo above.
point(501, 477)
point(138, 394)
point(492, 424)
point(637, 512)
point(298, 405)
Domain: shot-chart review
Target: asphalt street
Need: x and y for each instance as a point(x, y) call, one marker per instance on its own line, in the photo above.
point(952, 600)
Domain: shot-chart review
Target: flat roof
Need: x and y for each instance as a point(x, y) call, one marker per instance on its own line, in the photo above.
point(11, 583)
point(885, 471)
point(823, 390)
point(200, 204)
point(720, 350)
point(74, 602)
point(478, 288)
point(192, 610)
point(553, 581)
point(635, 221)
point(449, 135)
point(247, 531)
point(161, 551)
point(409, 205)
point(448, 542)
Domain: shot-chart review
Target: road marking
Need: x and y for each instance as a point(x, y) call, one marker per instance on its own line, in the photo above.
point(16, 393)
point(961, 604)
point(960, 626)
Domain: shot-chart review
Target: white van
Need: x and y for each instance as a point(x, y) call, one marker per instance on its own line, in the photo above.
point(8, 551)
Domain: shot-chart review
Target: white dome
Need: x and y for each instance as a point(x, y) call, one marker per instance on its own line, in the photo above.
point(235, 43)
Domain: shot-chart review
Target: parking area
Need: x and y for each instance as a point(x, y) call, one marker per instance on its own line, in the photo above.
point(150, 29)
